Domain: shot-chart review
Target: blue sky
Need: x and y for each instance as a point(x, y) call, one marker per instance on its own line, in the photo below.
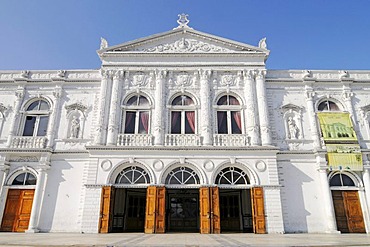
point(56, 34)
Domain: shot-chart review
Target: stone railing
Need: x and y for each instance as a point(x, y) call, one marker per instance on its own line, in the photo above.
point(233, 140)
point(28, 142)
point(134, 140)
point(182, 140)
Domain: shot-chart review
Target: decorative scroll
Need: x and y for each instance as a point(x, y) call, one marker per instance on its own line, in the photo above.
point(344, 157)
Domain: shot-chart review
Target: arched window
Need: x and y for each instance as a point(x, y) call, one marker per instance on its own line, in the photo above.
point(133, 175)
point(36, 118)
point(232, 176)
point(328, 105)
point(228, 115)
point(136, 115)
point(341, 180)
point(25, 179)
point(182, 175)
point(183, 115)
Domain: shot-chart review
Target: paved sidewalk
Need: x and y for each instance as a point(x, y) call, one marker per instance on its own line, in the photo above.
point(182, 240)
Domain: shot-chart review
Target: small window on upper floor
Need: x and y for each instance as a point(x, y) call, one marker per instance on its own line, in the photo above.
point(36, 118)
point(183, 115)
point(25, 179)
point(229, 115)
point(328, 105)
point(136, 115)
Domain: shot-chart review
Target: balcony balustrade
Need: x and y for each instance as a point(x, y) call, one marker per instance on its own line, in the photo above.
point(234, 140)
point(28, 142)
point(179, 140)
point(134, 140)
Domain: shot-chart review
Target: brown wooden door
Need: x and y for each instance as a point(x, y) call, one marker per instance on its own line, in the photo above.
point(24, 212)
point(160, 219)
point(354, 212)
point(151, 199)
point(215, 211)
point(106, 209)
point(204, 210)
point(17, 211)
point(340, 211)
point(258, 210)
point(348, 212)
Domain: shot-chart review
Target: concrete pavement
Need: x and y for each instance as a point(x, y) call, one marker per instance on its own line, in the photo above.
point(181, 240)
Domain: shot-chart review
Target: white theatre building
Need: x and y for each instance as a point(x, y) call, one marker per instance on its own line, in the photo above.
point(184, 131)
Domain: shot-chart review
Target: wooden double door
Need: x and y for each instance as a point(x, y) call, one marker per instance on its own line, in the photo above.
point(122, 210)
point(204, 210)
point(348, 212)
point(17, 211)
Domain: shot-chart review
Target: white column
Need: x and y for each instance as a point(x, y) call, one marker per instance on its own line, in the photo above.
point(327, 202)
point(309, 93)
point(54, 116)
point(114, 108)
point(205, 107)
point(366, 180)
point(4, 168)
point(14, 123)
point(263, 108)
point(251, 116)
point(104, 100)
point(159, 107)
point(37, 200)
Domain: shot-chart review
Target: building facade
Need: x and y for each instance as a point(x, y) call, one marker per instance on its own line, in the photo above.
point(184, 131)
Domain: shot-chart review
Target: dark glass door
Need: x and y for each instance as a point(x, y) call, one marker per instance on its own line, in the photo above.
point(183, 210)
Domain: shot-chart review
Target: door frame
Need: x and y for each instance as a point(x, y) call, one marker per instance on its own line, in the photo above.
point(362, 199)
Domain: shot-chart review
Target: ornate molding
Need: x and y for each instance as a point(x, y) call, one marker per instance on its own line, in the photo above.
point(187, 45)
point(76, 106)
point(24, 159)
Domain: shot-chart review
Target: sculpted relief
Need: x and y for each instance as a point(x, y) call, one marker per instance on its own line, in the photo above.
point(187, 45)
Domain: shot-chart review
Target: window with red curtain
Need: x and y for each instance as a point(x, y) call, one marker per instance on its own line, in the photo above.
point(229, 115)
point(136, 116)
point(182, 116)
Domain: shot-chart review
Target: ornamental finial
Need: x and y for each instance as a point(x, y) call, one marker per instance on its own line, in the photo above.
point(183, 20)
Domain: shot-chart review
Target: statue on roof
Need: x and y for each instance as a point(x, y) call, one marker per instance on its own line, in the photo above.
point(103, 43)
point(262, 44)
point(183, 21)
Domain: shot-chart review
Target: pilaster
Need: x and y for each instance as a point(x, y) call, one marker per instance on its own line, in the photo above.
point(114, 105)
point(39, 194)
point(263, 108)
point(160, 80)
point(205, 107)
point(15, 120)
point(103, 105)
point(50, 133)
point(329, 218)
point(251, 116)
point(309, 95)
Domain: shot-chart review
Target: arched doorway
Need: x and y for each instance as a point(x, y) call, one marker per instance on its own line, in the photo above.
point(19, 202)
point(124, 203)
point(182, 198)
point(235, 200)
point(347, 206)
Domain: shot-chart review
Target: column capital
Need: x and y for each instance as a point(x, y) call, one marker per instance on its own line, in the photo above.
point(261, 74)
point(118, 74)
point(160, 74)
point(347, 94)
point(205, 74)
point(249, 74)
point(106, 74)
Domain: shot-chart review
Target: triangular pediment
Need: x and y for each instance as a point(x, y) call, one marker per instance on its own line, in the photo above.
point(183, 40)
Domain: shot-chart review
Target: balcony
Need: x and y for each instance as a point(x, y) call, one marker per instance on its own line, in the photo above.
point(180, 140)
point(134, 140)
point(233, 140)
point(28, 142)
